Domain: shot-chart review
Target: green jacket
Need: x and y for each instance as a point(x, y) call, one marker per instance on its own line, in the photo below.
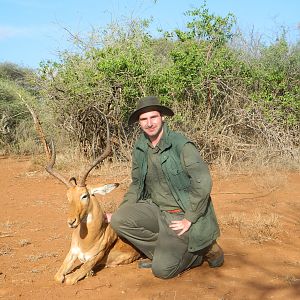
point(191, 190)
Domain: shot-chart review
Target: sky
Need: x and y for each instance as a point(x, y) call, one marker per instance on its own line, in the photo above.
point(32, 31)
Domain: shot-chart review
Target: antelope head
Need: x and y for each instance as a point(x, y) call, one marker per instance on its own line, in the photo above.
point(80, 194)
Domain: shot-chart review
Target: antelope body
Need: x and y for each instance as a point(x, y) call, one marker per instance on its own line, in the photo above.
point(94, 242)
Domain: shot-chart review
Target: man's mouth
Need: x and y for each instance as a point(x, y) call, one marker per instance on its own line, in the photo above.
point(151, 129)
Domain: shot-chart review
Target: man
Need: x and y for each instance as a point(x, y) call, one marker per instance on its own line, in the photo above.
point(167, 212)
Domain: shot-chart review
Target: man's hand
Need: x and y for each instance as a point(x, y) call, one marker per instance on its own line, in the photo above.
point(107, 217)
point(183, 225)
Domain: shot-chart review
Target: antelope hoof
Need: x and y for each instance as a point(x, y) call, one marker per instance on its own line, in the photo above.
point(70, 280)
point(90, 274)
point(59, 277)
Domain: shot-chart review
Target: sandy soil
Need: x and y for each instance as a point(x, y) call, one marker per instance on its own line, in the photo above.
point(259, 217)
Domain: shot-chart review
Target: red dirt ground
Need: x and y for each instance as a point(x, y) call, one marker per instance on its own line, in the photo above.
point(260, 222)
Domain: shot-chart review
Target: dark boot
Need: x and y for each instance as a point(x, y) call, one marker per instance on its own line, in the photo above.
point(214, 255)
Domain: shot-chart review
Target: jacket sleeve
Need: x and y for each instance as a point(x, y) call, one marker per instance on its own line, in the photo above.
point(132, 193)
point(201, 182)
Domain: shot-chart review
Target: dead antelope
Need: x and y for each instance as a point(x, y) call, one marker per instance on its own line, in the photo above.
point(94, 242)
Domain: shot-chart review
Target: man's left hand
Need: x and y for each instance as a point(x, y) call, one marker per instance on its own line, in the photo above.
point(182, 225)
point(107, 217)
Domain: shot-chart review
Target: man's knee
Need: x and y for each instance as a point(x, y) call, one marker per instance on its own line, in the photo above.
point(164, 272)
point(166, 268)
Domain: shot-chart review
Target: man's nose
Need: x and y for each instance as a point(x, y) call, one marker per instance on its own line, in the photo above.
point(149, 122)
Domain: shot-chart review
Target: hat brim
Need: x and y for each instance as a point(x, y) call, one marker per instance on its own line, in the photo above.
point(165, 111)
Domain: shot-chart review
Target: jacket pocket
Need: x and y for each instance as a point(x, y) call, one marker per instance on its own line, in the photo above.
point(180, 179)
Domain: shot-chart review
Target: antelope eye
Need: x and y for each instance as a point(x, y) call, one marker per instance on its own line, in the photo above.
point(84, 197)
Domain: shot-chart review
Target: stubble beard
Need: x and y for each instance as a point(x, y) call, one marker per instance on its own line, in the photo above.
point(155, 135)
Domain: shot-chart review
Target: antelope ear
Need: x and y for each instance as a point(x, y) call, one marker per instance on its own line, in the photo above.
point(105, 189)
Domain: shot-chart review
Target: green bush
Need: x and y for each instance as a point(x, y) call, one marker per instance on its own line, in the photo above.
point(230, 102)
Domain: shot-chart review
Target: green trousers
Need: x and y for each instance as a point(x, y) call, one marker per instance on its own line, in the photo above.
point(147, 228)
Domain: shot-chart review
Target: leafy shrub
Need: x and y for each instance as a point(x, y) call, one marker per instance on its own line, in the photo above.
point(230, 102)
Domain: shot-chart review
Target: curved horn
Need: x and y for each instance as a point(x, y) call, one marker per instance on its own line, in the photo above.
point(99, 158)
point(49, 167)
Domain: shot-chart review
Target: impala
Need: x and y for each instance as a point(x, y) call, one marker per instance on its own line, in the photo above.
point(94, 242)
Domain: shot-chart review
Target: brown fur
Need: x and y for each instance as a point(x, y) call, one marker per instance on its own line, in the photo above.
point(94, 242)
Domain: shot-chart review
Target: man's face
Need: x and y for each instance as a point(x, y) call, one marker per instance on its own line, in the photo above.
point(151, 123)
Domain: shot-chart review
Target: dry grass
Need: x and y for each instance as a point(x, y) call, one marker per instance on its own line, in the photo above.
point(269, 180)
point(8, 224)
point(71, 163)
point(5, 250)
point(290, 279)
point(267, 174)
point(262, 227)
point(55, 237)
point(24, 242)
point(36, 257)
point(7, 229)
point(256, 227)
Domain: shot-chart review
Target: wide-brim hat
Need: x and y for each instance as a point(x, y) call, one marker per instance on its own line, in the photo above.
point(146, 104)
